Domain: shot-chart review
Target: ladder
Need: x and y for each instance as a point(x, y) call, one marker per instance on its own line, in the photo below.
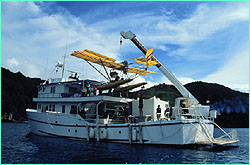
point(204, 127)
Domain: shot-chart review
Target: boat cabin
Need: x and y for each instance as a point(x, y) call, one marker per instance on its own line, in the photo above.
point(65, 88)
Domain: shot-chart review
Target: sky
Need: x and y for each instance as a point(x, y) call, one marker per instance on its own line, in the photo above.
point(196, 41)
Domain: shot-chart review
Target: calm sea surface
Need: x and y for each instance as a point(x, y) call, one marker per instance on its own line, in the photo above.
point(19, 146)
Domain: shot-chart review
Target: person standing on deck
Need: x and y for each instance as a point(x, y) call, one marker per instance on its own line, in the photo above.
point(167, 111)
point(88, 89)
point(95, 90)
point(126, 109)
point(158, 112)
point(140, 104)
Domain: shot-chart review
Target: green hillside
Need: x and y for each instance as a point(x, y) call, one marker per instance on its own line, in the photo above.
point(17, 92)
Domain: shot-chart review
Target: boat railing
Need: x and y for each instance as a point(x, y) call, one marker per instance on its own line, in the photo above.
point(90, 118)
point(185, 112)
point(116, 120)
point(58, 95)
point(202, 117)
point(104, 120)
point(45, 95)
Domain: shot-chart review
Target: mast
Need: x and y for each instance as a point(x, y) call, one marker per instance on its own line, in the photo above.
point(63, 64)
point(65, 54)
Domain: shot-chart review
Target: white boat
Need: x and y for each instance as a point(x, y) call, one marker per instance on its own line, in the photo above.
point(63, 111)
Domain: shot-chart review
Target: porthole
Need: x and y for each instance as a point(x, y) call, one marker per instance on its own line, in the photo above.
point(120, 132)
point(69, 130)
point(55, 121)
point(102, 132)
point(75, 131)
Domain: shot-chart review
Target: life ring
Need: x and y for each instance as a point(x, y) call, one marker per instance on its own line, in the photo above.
point(105, 133)
point(91, 132)
point(134, 133)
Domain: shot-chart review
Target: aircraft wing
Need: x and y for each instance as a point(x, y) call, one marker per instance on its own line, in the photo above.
point(138, 71)
point(96, 58)
point(98, 55)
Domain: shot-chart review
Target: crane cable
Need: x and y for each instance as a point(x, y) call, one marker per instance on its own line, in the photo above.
point(120, 43)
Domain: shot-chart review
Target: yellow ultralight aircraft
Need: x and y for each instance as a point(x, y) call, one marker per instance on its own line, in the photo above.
point(106, 61)
point(148, 60)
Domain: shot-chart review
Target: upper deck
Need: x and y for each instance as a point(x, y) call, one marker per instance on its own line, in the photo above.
point(61, 88)
point(83, 99)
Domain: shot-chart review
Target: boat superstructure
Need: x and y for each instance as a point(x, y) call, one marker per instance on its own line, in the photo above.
point(81, 109)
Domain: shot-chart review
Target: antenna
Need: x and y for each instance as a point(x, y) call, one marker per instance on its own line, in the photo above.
point(46, 71)
point(65, 53)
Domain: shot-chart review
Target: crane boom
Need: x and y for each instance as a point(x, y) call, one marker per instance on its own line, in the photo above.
point(185, 93)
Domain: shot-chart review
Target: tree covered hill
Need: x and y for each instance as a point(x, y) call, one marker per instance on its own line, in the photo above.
point(17, 92)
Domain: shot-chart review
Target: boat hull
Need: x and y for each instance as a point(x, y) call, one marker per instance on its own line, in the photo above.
point(174, 132)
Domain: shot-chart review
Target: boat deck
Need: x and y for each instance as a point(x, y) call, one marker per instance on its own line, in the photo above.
point(219, 141)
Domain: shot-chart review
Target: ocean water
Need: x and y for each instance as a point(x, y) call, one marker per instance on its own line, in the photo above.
point(21, 147)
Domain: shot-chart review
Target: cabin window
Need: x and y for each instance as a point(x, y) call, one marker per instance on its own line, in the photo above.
point(73, 109)
point(52, 89)
point(63, 108)
point(43, 109)
point(53, 108)
point(41, 89)
point(183, 103)
point(72, 90)
point(38, 106)
point(49, 107)
point(46, 108)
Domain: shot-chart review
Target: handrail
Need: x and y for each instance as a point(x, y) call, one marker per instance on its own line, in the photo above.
point(223, 131)
point(57, 95)
point(92, 120)
point(204, 126)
